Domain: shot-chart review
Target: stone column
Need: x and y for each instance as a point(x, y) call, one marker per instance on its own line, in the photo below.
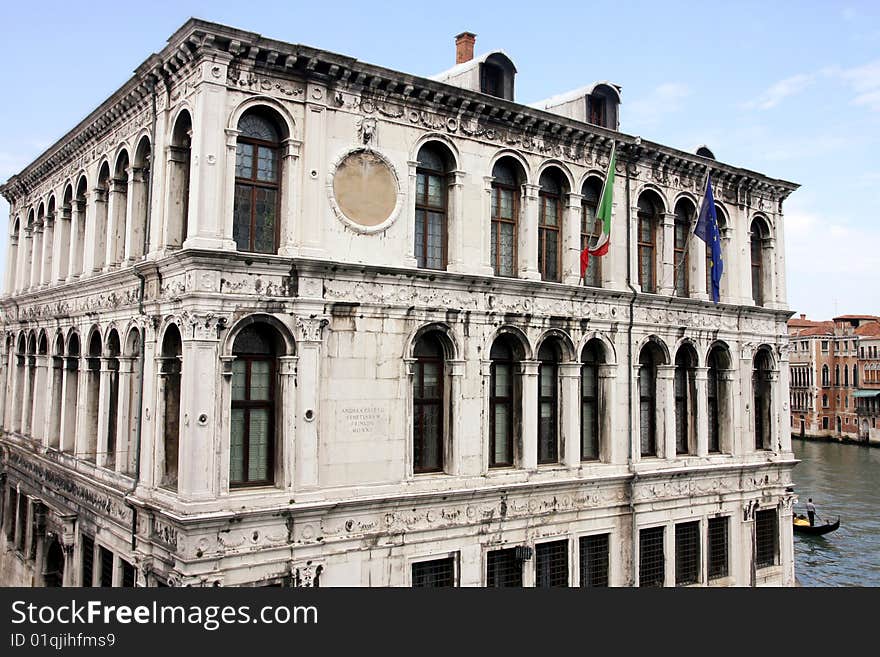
point(527, 238)
point(698, 271)
point(102, 458)
point(728, 412)
point(486, 264)
point(36, 257)
point(96, 231)
point(38, 419)
point(571, 240)
point(290, 196)
point(48, 259)
point(779, 263)
point(665, 402)
point(136, 211)
point(455, 224)
point(124, 405)
point(314, 202)
point(634, 249)
point(85, 425)
point(75, 254)
point(744, 435)
point(11, 266)
point(197, 464)
point(25, 257)
point(778, 424)
point(311, 330)
point(569, 375)
point(55, 394)
point(485, 424)
point(18, 379)
point(287, 430)
point(27, 396)
point(768, 256)
point(410, 260)
point(69, 402)
point(117, 206)
point(454, 372)
point(666, 270)
point(610, 450)
point(529, 415)
point(61, 254)
point(701, 384)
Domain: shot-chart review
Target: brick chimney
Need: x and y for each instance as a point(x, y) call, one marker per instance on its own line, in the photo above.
point(464, 47)
point(803, 316)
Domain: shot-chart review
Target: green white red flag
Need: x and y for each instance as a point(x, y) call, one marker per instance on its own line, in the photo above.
point(603, 214)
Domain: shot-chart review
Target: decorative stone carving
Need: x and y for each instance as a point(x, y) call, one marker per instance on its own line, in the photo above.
point(311, 328)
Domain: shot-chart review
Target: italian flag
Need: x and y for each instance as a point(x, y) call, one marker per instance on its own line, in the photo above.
point(603, 213)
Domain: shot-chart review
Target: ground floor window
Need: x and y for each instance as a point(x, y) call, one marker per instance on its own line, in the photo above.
point(687, 553)
point(766, 538)
point(652, 571)
point(717, 540)
point(503, 568)
point(551, 564)
point(594, 560)
point(436, 573)
point(87, 560)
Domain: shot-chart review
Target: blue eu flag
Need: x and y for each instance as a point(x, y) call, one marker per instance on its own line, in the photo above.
point(707, 230)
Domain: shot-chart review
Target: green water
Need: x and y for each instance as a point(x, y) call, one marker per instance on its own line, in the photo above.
point(843, 480)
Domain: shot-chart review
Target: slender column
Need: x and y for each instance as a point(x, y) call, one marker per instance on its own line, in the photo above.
point(9, 390)
point(228, 190)
point(728, 411)
point(85, 422)
point(610, 450)
point(27, 399)
point(527, 240)
point(38, 418)
point(486, 264)
point(778, 425)
point(96, 231)
point(48, 258)
point(77, 237)
point(138, 195)
point(569, 375)
point(116, 208)
point(61, 256)
point(11, 266)
point(197, 464)
point(24, 260)
point(455, 224)
point(529, 414)
point(69, 397)
point(666, 271)
point(571, 240)
point(103, 458)
point(485, 425)
point(455, 374)
point(55, 395)
point(287, 366)
point(770, 274)
point(634, 259)
point(124, 404)
point(409, 259)
point(744, 436)
point(18, 379)
point(307, 408)
point(666, 411)
point(37, 257)
point(779, 263)
point(701, 383)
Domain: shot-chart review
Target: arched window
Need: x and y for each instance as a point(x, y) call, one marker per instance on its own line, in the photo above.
point(63, 233)
point(591, 359)
point(549, 224)
point(855, 376)
point(169, 387)
point(648, 225)
point(837, 375)
point(684, 212)
point(113, 351)
point(826, 377)
point(78, 224)
point(759, 234)
point(504, 417)
point(428, 404)
point(254, 404)
point(505, 216)
point(549, 357)
point(496, 76)
point(824, 401)
point(718, 395)
point(141, 172)
point(649, 359)
point(762, 400)
point(179, 155)
point(257, 184)
point(684, 389)
point(845, 376)
point(118, 204)
point(591, 228)
point(102, 193)
point(432, 201)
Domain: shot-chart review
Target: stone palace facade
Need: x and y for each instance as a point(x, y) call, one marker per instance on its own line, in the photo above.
point(275, 316)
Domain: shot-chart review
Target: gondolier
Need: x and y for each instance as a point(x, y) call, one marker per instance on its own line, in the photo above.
point(811, 512)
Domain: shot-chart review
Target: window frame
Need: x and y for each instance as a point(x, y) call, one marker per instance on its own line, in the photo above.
point(420, 402)
point(254, 184)
point(591, 368)
point(549, 367)
point(648, 249)
point(421, 204)
point(545, 230)
point(246, 405)
point(497, 221)
point(507, 402)
point(680, 254)
point(593, 274)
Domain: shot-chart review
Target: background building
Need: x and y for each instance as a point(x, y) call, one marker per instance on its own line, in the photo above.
point(278, 316)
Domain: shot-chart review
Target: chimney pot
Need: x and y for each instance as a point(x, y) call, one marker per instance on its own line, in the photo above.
point(803, 316)
point(464, 47)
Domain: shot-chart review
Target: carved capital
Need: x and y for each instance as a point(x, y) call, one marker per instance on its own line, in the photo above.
point(311, 329)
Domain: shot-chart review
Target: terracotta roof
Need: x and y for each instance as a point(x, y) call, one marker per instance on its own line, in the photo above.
point(804, 328)
point(871, 329)
point(874, 317)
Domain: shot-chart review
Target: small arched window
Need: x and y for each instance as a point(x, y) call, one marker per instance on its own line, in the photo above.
point(591, 228)
point(826, 378)
point(845, 376)
point(759, 234)
point(837, 376)
point(428, 404)
point(649, 359)
point(591, 359)
point(761, 384)
point(549, 357)
point(716, 394)
point(170, 378)
point(648, 222)
point(549, 224)
point(431, 207)
point(855, 377)
point(504, 388)
point(684, 211)
point(252, 435)
point(685, 362)
point(505, 216)
point(257, 184)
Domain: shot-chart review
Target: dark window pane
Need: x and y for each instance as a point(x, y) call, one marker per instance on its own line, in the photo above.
point(766, 538)
point(266, 204)
point(434, 574)
point(244, 157)
point(594, 560)
point(267, 167)
point(88, 559)
point(241, 218)
point(687, 553)
point(717, 548)
point(551, 564)
point(503, 569)
point(106, 566)
point(651, 557)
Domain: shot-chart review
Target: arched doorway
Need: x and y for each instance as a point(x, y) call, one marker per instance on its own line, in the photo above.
point(53, 573)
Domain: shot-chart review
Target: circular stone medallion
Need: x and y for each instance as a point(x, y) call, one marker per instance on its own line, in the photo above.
point(365, 188)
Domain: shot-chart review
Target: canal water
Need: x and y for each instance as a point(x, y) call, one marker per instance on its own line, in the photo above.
point(843, 480)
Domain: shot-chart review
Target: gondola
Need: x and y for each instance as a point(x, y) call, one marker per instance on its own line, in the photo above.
point(802, 526)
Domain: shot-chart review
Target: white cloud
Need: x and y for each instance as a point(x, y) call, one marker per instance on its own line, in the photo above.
point(649, 110)
point(779, 91)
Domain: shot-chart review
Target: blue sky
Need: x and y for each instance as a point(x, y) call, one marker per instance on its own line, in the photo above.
point(791, 89)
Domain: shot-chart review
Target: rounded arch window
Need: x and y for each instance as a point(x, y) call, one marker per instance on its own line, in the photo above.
point(432, 202)
point(505, 216)
point(257, 184)
point(428, 403)
point(648, 226)
point(550, 211)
